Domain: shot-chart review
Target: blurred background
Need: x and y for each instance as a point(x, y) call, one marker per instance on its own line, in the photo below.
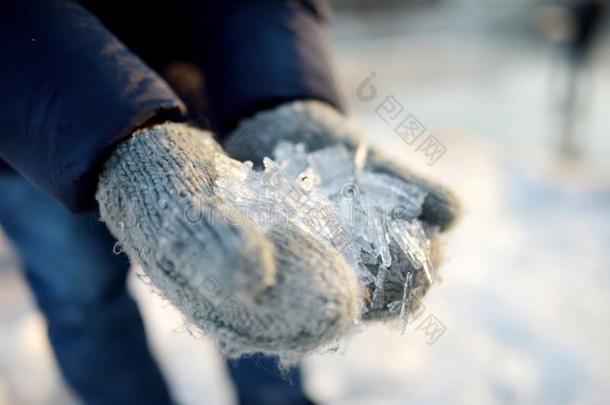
point(512, 96)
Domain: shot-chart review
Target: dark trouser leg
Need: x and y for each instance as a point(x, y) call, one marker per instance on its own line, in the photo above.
point(259, 382)
point(94, 326)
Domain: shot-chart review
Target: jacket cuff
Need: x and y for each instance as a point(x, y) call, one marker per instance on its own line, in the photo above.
point(263, 54)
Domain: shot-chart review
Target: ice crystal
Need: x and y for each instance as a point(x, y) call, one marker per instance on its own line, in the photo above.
point(330, 194)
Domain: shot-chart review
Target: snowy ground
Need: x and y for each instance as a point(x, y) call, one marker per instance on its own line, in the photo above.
point(525, 293)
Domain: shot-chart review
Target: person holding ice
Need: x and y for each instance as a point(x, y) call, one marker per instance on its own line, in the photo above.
point(88, 119)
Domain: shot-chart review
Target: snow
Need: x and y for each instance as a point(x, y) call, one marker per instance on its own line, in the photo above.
point(523, 300)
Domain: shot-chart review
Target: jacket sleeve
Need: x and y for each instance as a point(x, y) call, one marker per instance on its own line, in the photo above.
point(69, 90)
point(266, 52)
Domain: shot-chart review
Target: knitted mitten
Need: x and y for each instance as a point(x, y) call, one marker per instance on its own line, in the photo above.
point(283, 294)
point(319, 125)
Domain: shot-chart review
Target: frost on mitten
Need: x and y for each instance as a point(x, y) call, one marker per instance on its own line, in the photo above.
point(318, 125)
point(284, 293)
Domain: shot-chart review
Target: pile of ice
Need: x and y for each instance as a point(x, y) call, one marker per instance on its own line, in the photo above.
point(329, 194)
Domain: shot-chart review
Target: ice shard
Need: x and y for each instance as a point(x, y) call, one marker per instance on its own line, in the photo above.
point(331, 194)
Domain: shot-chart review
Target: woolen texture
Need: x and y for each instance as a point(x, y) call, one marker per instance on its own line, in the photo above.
point(284, 293)
point(318, 125)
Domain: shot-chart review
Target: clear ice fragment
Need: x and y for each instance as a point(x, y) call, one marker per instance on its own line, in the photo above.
point(406, 303)
point(412, 240)
point(308, 180)
point(330, 194)
point(360, 157)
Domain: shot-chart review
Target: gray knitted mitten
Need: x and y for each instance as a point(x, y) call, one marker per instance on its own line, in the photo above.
point(283, 294)
point(319, 125)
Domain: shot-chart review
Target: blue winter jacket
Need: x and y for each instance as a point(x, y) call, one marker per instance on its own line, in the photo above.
point(77, 77)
